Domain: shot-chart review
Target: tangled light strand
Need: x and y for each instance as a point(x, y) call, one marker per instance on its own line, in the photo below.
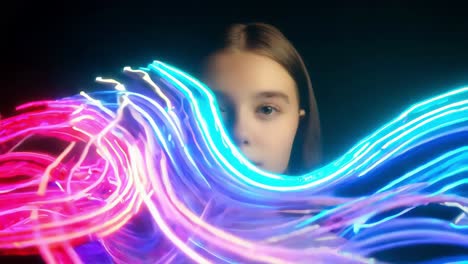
point(148, 172)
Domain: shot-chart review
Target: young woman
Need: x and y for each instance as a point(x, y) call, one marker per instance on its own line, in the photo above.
point(266, 96)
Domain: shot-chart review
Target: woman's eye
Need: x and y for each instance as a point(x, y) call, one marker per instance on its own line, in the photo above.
point(225, 112)
point(222, 108)
point(267, 110)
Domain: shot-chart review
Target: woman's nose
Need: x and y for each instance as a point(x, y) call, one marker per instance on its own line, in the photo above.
point(242, 128)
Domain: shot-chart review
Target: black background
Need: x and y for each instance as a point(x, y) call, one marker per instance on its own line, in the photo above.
point(369, 60)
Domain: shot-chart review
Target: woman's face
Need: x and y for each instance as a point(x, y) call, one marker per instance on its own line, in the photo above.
point(259, 102)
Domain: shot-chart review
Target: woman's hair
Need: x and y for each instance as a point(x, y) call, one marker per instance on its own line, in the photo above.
point(266, 40)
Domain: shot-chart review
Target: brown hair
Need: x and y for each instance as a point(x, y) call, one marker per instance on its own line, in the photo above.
point(268, 41)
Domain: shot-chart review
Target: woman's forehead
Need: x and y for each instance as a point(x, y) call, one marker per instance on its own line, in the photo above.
point(245, 72)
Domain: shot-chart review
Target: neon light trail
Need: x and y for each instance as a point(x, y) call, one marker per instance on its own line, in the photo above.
point(145, 172)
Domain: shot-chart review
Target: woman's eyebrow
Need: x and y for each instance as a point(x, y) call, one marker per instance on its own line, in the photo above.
point(219, 94)
point(221, 97)
point(273, 94)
